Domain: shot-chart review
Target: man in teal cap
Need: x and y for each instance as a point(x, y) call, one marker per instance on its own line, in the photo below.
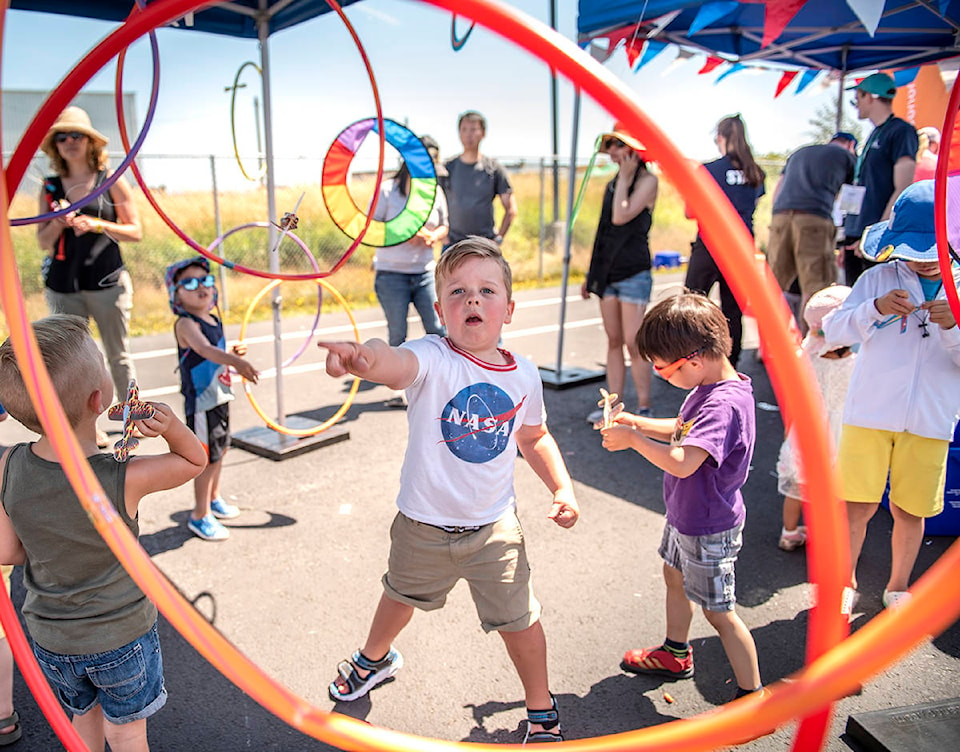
point(884, 168)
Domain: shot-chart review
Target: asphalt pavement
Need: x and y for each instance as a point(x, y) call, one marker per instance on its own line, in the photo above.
point(295, 586)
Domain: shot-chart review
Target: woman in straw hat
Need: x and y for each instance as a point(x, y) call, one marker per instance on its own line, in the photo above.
point(619, 271)
point(84, 273)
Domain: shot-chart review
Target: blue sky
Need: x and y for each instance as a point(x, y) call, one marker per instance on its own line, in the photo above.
point(320, 86)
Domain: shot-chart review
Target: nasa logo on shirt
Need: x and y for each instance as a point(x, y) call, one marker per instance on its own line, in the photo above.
point(476, 424)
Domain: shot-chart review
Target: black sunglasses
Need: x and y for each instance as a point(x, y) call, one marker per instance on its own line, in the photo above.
point(64, 136)
point(192, 283)
point(611, 142)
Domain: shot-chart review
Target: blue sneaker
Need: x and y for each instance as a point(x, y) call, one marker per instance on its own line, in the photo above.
point(223, 511)
point(208, 528)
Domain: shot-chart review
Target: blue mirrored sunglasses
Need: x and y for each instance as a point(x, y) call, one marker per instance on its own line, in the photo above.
point(192, 283)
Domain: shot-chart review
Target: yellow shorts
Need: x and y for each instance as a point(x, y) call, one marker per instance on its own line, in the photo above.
point(426, 562)
point(917, 468)
point(6, 569)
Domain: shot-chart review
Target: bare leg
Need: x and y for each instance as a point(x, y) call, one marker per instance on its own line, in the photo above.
point(679, 607)
point(858, 515)
point(792, 508)
point(203, 486)
point(90, 727)
point(215, 485)
point(616, 363)
point(128, 737)
point(389, 620)
point(904, 546)
point(739, 646)
point(528, 651)
point(6, 684)
point(632, 315)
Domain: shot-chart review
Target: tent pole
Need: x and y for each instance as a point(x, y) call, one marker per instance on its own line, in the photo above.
point(262, 440)
point(556, 378)
point(276, 299)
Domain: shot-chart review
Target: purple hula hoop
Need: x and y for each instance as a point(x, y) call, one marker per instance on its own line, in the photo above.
point(131, 155)
point(313, 262)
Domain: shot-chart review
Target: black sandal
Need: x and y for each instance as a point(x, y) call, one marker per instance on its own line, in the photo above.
point(13, 736)
point(549, 719)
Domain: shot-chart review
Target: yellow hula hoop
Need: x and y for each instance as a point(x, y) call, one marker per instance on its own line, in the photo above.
point(303, 432)
point(233, 123)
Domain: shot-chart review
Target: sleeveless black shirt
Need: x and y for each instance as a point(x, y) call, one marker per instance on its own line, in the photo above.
point(91, 261)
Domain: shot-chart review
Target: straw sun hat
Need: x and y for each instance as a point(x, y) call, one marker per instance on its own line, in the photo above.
point(619, 131)
point(72, 119)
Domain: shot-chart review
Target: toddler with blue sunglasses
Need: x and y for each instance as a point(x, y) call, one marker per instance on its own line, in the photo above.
point(205, 385)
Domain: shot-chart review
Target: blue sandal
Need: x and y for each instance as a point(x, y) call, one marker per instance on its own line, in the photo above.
point(549, 719)
point(357, 686)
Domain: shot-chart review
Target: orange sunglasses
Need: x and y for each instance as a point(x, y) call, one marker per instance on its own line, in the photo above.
point(668, 370)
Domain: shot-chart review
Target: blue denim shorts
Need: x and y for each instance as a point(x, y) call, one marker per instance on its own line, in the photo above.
point(127, 682)
point(635, 289)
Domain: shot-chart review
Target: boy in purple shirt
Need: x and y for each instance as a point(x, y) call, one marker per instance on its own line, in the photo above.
point(705, 454)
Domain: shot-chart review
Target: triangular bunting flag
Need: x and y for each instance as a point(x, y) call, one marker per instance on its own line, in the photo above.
point(680, 59)
point(784, 81)
point(776, 17)
point(712, 62)
point(634, 48)
point(806, 78)
point(905, 76)
point(711, 12)
point(650, 51)
point(735, 68)
point(869, 13)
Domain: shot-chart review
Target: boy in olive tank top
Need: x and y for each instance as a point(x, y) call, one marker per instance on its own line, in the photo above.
point(94, 632)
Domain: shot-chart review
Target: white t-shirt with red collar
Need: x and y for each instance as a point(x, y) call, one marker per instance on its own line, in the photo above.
point(463, 415)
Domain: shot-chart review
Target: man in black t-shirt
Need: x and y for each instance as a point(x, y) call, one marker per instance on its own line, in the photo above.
point(885, 167)
point(802, 230)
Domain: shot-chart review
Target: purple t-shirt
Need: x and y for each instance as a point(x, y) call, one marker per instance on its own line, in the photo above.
point(720, 419)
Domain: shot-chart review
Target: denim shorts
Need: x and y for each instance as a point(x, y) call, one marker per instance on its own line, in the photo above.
point(707, 563)
point(635, 289)
point(127, 682)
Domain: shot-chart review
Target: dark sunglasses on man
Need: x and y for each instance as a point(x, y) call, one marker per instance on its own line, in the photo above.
point(192, 283)
point(611, 142)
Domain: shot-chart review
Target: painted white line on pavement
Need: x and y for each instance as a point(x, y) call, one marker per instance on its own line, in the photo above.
point(166, 352)
point(270, 373)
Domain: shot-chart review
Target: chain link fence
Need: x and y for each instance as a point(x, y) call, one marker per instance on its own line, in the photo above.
point(208, 198)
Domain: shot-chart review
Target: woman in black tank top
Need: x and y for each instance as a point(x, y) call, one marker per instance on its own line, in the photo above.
point(83, 272)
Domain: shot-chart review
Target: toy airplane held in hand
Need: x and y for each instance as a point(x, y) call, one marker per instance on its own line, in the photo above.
point(128, 411)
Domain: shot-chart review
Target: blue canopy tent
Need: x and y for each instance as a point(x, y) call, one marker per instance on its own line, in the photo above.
point(824, 34)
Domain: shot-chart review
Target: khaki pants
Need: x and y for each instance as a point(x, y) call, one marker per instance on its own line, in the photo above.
point(110, 308)
point(802, 247)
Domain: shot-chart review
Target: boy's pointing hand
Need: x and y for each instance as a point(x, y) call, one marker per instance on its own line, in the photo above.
point(344, 358)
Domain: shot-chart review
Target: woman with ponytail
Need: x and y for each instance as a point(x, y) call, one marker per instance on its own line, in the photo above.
point(741, 179)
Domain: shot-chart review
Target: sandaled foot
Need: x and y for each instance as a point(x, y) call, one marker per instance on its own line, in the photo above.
point(11, 736)
point(543, 725)
point(350, 685)
point(658, 661)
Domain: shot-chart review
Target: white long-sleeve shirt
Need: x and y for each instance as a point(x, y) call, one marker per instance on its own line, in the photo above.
point(902, 380)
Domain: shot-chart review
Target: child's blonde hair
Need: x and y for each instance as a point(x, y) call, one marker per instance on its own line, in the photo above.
point(75, 365)
point(472, 247)
point(682, 324)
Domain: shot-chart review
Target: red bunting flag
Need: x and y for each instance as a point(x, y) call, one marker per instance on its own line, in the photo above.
point(776, 17)
point(784, 82)
point(712, 62)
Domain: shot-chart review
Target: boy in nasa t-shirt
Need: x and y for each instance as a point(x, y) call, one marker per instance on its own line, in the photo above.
point(471, 406)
